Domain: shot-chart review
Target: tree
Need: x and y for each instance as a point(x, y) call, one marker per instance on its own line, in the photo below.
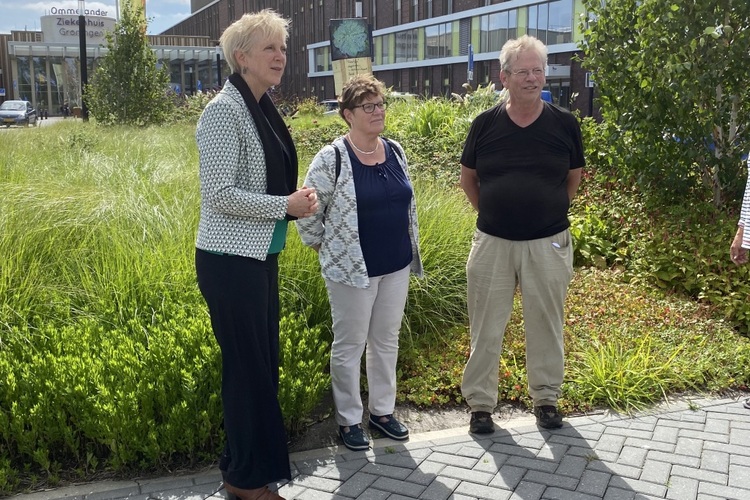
point(127, 87)
point(673, 80)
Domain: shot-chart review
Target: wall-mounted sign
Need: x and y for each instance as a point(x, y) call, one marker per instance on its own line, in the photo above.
point(351, 49)
point(350, 38)
point(63, 28)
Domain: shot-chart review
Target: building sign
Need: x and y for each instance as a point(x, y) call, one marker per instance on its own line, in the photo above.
point(351, 49)
point(62, 26)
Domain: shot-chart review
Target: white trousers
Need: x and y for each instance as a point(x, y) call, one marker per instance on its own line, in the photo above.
point(366, 317)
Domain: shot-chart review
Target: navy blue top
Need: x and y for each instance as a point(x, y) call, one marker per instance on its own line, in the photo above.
point(383, 198)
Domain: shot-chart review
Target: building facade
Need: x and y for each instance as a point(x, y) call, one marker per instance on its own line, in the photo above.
point(44, 67)
point(420, 46)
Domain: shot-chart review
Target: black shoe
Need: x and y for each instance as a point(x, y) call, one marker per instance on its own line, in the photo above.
point(355, 439)
point(548, 417)
point(392, 428)
point(481, 423)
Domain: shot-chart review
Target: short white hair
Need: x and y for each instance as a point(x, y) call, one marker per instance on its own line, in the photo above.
point(244, 33)
point(512, 50)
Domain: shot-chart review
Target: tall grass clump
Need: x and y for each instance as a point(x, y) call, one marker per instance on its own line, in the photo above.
point(105, 342)
point(437, 302)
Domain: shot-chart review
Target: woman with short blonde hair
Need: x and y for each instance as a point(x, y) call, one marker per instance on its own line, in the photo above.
point(248, 182)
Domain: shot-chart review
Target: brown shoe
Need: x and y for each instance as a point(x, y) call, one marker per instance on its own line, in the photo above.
point(255, 494)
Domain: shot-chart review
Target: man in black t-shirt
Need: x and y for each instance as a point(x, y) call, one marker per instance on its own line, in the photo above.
point(520, 169)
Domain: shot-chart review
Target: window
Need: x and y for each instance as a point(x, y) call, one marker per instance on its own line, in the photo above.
point(560, 28)
point(382, 51)
point(482, 73)
point(533, 21)
point(406, 46)
point(552, 22)
point(397, 12)
point(414, 10)
point(438, 41)
point(323, 59)
point(496, 29)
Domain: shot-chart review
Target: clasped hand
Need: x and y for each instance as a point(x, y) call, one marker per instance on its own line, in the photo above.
point(302, 203)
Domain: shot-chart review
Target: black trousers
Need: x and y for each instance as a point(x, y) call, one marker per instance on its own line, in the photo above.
point(243, 300)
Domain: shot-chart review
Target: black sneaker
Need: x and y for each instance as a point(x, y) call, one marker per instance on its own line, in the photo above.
point(392, 428)
point(355, 439)
point(548, 417)
point(481, 423)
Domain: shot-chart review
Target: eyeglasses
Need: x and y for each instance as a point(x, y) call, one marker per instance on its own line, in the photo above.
point(524, 73)
point(369, 107)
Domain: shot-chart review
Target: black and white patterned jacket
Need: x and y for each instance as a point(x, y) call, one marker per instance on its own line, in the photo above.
point(237, 216)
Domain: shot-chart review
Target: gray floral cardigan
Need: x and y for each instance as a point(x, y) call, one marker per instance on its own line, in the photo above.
point(335, 226)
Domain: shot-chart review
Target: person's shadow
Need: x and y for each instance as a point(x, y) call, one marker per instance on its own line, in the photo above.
point(586, 460)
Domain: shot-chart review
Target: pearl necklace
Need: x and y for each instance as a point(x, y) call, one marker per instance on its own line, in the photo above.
point(377, 146)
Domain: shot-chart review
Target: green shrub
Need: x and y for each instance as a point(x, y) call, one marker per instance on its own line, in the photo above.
point(303, 374)
point(310, 106)
point(187, 109)
point(625, 378)
point(90, 396)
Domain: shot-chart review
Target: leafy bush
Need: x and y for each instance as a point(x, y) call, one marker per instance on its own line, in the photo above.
point(90, 396)
point(303, 374)
point(310, 106)
point(187, 109)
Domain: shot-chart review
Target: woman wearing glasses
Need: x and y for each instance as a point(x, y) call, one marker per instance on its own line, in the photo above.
point(366, 236)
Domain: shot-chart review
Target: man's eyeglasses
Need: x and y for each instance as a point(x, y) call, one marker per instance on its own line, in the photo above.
point(369, 107)
point(524, 73)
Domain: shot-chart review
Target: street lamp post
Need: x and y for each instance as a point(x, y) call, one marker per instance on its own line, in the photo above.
point(218, 66)
point(83, 56)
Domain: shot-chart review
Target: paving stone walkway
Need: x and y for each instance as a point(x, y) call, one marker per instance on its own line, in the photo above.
point(696, 449)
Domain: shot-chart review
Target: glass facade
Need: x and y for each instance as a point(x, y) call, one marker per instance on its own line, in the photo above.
point(438, 41)
point(407, 46)
point(49, 75)
point(496, 29)
point(551, 22)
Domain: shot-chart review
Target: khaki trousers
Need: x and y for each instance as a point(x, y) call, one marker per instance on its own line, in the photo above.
point(542, 269)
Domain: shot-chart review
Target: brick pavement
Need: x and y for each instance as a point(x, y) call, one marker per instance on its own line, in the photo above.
point(689, 450)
